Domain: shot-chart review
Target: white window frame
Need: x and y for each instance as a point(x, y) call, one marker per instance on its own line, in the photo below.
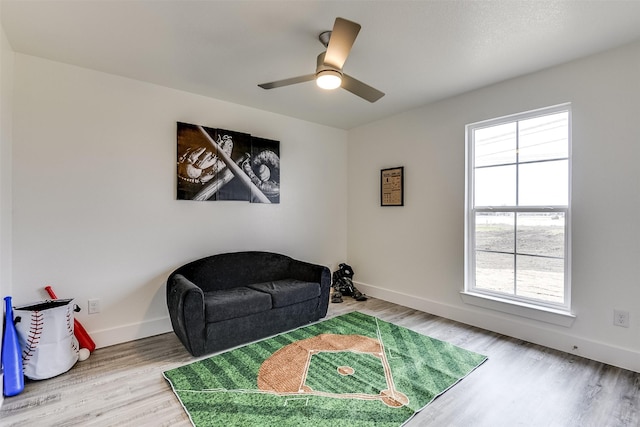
point(556, 313)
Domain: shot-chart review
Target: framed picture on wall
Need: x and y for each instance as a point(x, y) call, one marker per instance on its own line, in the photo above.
point(392, 187)
point(219, 164)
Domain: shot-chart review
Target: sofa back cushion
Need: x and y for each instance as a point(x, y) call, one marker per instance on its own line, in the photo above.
point(230, 270)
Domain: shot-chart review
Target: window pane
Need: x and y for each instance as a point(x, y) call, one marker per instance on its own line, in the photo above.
point(495, 231)
point(495, 145)
point(540, 278)
point(544, 184)
point(494, 272)
point(541, 234)
point(545, 137)
point(495, 186)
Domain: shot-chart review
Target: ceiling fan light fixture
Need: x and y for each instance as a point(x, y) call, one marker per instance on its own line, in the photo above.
point(329, 79)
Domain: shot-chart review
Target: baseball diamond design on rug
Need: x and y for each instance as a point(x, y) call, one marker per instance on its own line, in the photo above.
point(351, 370)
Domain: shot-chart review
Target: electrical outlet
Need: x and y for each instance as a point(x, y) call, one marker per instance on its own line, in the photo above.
point(94, 306)
point(621, 318)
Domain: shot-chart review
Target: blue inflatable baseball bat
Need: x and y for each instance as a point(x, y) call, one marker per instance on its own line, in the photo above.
point(11, 355)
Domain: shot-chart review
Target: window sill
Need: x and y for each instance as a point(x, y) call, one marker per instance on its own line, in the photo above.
point(543, 314)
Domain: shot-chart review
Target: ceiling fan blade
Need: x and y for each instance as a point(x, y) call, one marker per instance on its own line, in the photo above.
point(342, 38)
point(287, 82)
point(360, 89)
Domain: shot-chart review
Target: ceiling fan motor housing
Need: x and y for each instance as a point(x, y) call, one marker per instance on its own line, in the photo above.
point(321, 66)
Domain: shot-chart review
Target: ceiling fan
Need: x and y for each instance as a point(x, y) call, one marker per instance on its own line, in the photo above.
point(329, 74)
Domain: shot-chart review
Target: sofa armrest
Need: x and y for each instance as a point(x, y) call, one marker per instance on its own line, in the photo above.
point(185, 302)
point(314, 273)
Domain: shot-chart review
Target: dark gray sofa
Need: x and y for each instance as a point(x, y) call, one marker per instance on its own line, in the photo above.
point(228, 299)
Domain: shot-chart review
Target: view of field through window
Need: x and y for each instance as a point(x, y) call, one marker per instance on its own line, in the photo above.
point(535, 244)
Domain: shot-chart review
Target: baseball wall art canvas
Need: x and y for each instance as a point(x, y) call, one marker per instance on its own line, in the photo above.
point(218, 164)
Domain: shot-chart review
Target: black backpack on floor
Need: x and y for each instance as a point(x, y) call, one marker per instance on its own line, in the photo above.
point(343, 284)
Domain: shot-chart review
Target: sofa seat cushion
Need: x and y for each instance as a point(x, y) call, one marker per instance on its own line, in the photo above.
point(233, 303)
point(288, 292)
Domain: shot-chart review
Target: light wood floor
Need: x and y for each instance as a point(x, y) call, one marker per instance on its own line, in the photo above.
point(520, 385)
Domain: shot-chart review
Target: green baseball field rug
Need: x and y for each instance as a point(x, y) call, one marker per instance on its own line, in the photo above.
point(352, 370)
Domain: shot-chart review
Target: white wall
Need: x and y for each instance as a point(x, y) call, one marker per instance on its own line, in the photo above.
point(94, 199)
point(6, 89)
point(414, 254)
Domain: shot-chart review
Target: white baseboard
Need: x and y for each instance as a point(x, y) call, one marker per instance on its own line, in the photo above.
point(131, 332)
point(513, 326)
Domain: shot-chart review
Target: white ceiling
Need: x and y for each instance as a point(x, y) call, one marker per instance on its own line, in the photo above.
point(416, 52)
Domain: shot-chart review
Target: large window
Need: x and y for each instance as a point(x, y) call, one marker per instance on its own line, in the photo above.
point(518, 208)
